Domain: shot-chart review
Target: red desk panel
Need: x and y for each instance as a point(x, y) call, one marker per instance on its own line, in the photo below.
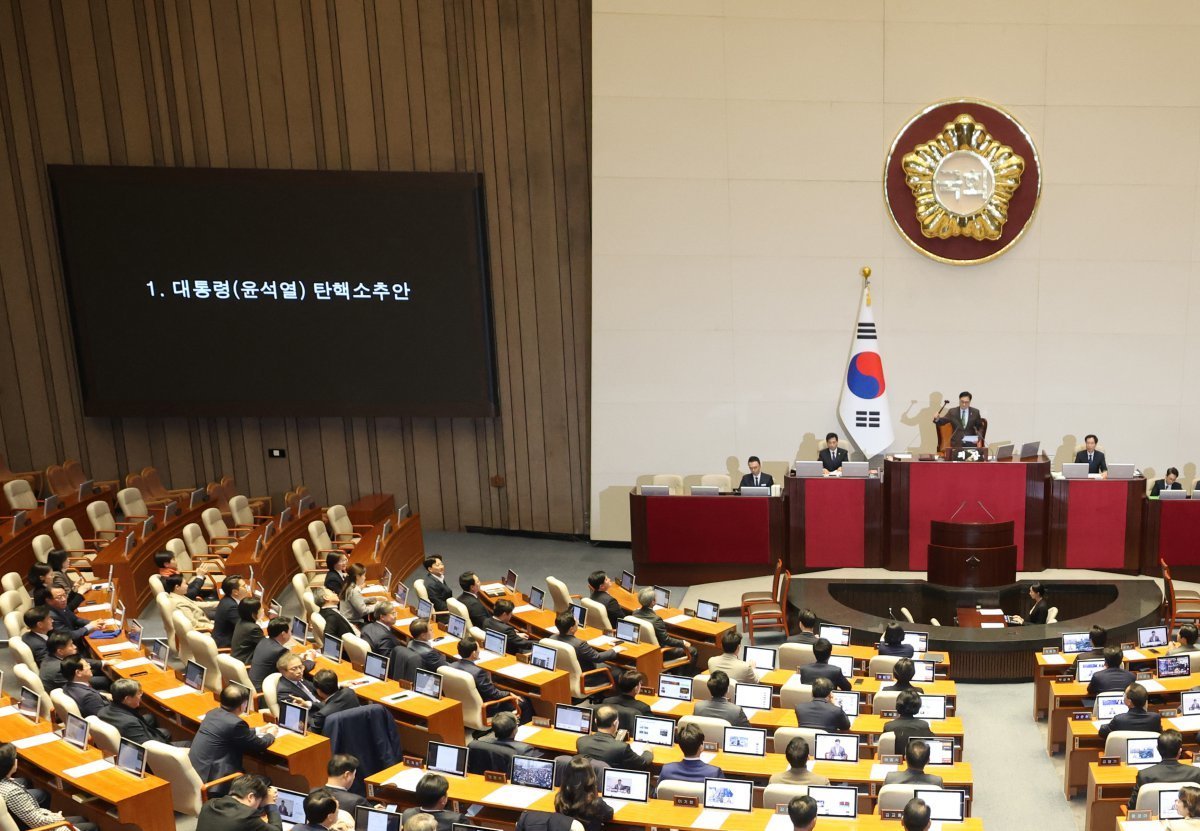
point(833, 522)
point(1172, 533)
point(1096, 523)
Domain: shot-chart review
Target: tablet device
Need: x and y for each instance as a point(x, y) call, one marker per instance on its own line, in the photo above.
point(835, 801)
point(131, 757)
point(299, 631)
point(919, 641)
point(728, 794)
point(748, 741)
point(331, 648)
point(836, 635)
point(1110, 705)
point(836, 747)
point(675, 686)
point(923, 671)
point(662, 597)
point(708, 610)
point(293, 717)
point(843, 662)
point(1174, 666)
point(944, 806)
point(375, 819)
point(537, 597)
point(510, 580)
point(752, 696)
point(659, 731)
point(456, 626)
point(847, 701)
point(290, 805)
point(630, 785)
point(193, 676)
point(1085, 668)
point(424, 609)
point(933, 708)
point(579, 613)
point(76, 731)
point(428, 683)
point(543, 657)
point(627, 581)
point(628, 631)
point(941, 749)
point(761, 657)
point(376, 666)
point(495, 642)
point(533, 773)
point(447, 758)
point(572, 719)
point(1075, 642)
point(1152, 636)
point(1142, 752)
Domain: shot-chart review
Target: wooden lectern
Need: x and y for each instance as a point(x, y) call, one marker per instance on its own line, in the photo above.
point(972, 554)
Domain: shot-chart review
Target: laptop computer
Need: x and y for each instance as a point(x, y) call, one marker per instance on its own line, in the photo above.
point(656, 490)
point(447, 758)
point(573, 719)
point(1075, 470)
point(1003, 453)
point(705, 490)
point(543, 657)
point(752, 490)
point(808, 470)
point(291, 807)
point(1121, 470)
point(1085, 668)
point(1142, 753)
point(1152, 636)
point(532, 772)
point(837, 747)
point(747, 741)
point(837, 635)
point(855, 470)
point(367, 818)
point(650, 730)
point(1172, 494)
point(675, 686)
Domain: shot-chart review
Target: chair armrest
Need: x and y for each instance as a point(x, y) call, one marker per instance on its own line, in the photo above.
point(516, 703)
point(602, 685)
point(366, 527)
point(350, 537)
point(137, 516)
point(60, 824)
point(209, 556)
point(228, 539)
point(331, 551)
point(204, 789)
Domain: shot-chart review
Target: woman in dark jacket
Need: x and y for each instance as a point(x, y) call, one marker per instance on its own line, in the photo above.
point(247, 633)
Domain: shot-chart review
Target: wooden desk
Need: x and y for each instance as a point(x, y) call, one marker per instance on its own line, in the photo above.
point(1108, 788)
point(1171, 532)
point(275, 563)
point(16, 550)
point(971, 618)
point(1066, 697)
point(866, 688)
point(402, 551)
point(834, 522)
point(1096, 523)
point(1048, 668)
point(372, 509)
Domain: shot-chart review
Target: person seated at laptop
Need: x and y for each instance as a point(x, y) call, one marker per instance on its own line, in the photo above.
point(917, 816)
point(1170, 482)
point(603, 745)
point(893, 642)
point(1113, 677)
point(966, 420)
point(756, 478)
point(600, 583)
point(468, 651)
point(719, 706)
point(501, 621)
point(822, 649)
point(625, 699)
point(126, 714)
point(832, 457)
point(690, 738)
point(1040, 609)
point(821, 712)
point(431, 796)
point(1099, 638)
point(672, 647)
point(77, 672)
point(420, 637)
point(802, 811)
point(916, 757)
point(589, 659)
point(739, 671)
point(1136, 717)
point(1186, 642)
point(1092, 457)
point(798, 772)
point(328, 607)
point(906, 724)
point(1170, 742)
point(468, 581)
point(496, 752)
point(902, 676)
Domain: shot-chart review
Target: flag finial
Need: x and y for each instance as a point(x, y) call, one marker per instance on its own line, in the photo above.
point(866, 274)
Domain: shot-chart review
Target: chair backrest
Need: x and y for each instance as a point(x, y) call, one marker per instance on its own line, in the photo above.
point(14, 583)
point(58, 482)
point(300, 586)
point(14, 624)
point(214, 524)
point(74, 471)
point(131, 503)
point(568, 662)
point(880, 664)
point(317, 623)
point(239, 510)
point(1118, 740)
point(887, 745)
point(461, 687)
point(10, 601)
point(1148, 794)
point(339, 520)
point(357, 649)
point(303, 554)
point(30, 678)
point(720, 480)
point(700, 688)
point(42, 546)
point(419, 588)
point(671, 788)
point(166, 608)
point(782, 794)
point(884, 700)
point(714, 728)
point(156, 584)
point(895, 797)
point(319, 535)
point(647, 629)
point(68, 535)
point(204, 652)
point(907, 614)
point(781, 590)
point(233, 670)
point(1194, 660)
point(559, 594)
point(193, 540)
point(22, 654)
point(793, 692)
point(597, 615)
point(174, 765)
point(270, 691)
point(63, 705)
point(784, 735)
point(20, 495)
point(104, 735)
point(183, 625)
point(310, 605)
point(456, 607)
point(183, 557)
point(672, 480)
point(153, 483)
point(1052, 615)
point(101, 518)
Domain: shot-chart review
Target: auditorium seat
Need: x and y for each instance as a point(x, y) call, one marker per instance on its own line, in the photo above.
point(7, 823)
point(670, 788)
point(20, 495)
point(456, 607)
point(764, 596)
point(714, 728)
point(165, 609)
point(43, 544)
point(204, 652)
point(357, 649)
point(476, 712)
point(233, 671)
point(649, 636)
point(1118, 741)
point(243, 515)
point(104, 735)
point(769, 615)
point(313, 574)
point(1052, 615)
point(75, 473)
point(182, 625)
point(597, 615)
point(793, 692)
point(895, 797)
point(199, 548)
point(188, 791)
point(719, 480)
point(1147, 799)
point(104, 524)
point(75, 544)
point(560, 594)
point(339, 523)
point(259, 504)
point(884, 700)
point(781, 794)
point(30, 678)
point(21, 653)
point(881, 664)
point(583, 684)
point(322, 544)
point(10, 601)
point(58, 483)
point(795, 655)
point(14, 624)
point(132, 505)
point(887, 741)
point(158, 491)
point(270, 692)
point(33, 477)
point(63, 705)
point(672, 480)
point(218, 532)
point(907, 614)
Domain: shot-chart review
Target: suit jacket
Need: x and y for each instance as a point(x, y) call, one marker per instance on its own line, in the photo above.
point(660, 629)
point(437, 590)
point(904, 650)
point(67, 621)
point(445, 819)
point(973, 427)
point(809, 638)
point(834, 460)
point(823, 714)
point(475, 609)
point(225, 621)
point(722, 708)
point(1038, 613)
point(342, 700)
point(1136, 718)
point(738, 670)
point(1161, 485)
point(380, 636)
point(1097, 465)
point(334, 581)
point(689, 770)
point(336, 622)
point(912, 777)
point(51, 674)
point(611, 607)
point(346, 800)
point(195, 614)
point(628, 709)
point(430, 657)
point(801, 776)
point(220, 742)
point(1110, 680)
point(37, 645)
point(89, 701)
point(765, 480)
point(490, 753)
point(588, 657)
point(1164, 771)
point(488, 691)
point(267, 653)
point(246, 635)
point(516, 643)
point(810, 672)
point(134, 727)
point(302, 692)
point(602, 814)
point(616, 754)
point(905, 729)
point(224, 813)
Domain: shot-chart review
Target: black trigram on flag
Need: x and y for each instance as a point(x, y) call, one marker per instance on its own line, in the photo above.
point(866, 331)
point(866, 418)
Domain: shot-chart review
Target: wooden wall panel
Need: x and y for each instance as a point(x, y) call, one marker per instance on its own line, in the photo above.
point(496, 86)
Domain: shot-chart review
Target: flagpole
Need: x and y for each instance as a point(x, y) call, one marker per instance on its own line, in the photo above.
point(866, 275)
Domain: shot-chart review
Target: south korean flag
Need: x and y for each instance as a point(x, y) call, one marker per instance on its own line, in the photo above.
point(864, 409)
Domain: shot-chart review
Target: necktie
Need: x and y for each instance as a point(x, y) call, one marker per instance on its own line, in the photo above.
point(756, 480)
point(1089, 458)
point(964, 418)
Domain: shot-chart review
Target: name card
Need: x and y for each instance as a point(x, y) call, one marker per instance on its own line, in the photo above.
point(1144, 815)
point(1145, 676)
point(710, 746)
point(883, 676)
point(888, 759)
point(889, 714)
point(647, 691)
point(1049, 650)
point(1129, 645)
point(1065, 679)
point(1109, 761)
point(1082, 715)
point(781, 808)
point(412, 761)
point(494, 776)
point(892, 814)
point(1168, 713)
point(541, 721)
point(687, 802)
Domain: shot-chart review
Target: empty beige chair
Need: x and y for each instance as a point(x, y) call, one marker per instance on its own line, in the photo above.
point(559, 594)
point(934, 622)
point(719, 480)
point(9, 602)
point(21, 653)
point(270, 691)
point(204, 652)
point(784, 735)
point(104, 735)
point(322, 544)
point(70, 539)
point(884, 700)
point(597, 615)
point(1052, 615)
point(104, 524)
point(583, 684)
point(188, 792)
point(20, 495)
point(197, 545)
point(907, 614)
point(218, 532)
point(714, 728)
point(670, 788)
point(881, 664)
point(672, 480)
point(1118, 740)
point(43, 544)
point(30, 678)
point(419, 588)
point(341, 526)
point(233, 671)
point(782, 794)
point(356, 650)
point(12, 582)
point(477, 714)
point(794, 692)
point(887, 745)
point(242, 514)
point(131, 503)
point(895, 797)
point(63, 705)
point(313, 573)
point(795, 655)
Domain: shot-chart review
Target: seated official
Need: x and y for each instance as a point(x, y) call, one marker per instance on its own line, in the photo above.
point(328, 607)
point(320, 811)
point(40, 625)
point(802, 811)
point(496, 751)
point(381, 637)
point(603, 745)
point(832, 457)
point(578, 798)
point(822, 649)
point(343, 770)
point(42, 577)
point(916, 757)
point(807, 621)
point(1136, 717)
point(625, 698)
point(22, 805)
point(420, 637)
point(966, 420)
point(1170, 742)
point(672, 647)
point(902, 676)
point(195, 587)
point(351, 601)
point(468, 581)
point(821, 712)
point(270, 649)
point(587, 655)
point(65, 619)
point(690, 738)
point(177, 592)
point(246, 633)
point(337, 562)
point(59, 647)
point(1040, 609)
point(126, 714)
point(468, 651)
point(599, 583)
point(719, 706)
point(292, 686)
point(917, 816)
point(1099, 638)
point(234, 589)
point(756, 478)
point(332, 697)
point(431, 796)
point(1170, 482)
point(1093, 457)
point(739, 671)
point(501, 621)
point(1113, 677)
point(1187, 805)
point(77, 672)
point(906, 724)
point(797, 773)
point(248, 806)
point(435, 582)
point(893, 642)
point(223, 737)
point(1186, 642)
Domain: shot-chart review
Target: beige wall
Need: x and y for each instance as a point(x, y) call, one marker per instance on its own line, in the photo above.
point(739, 147)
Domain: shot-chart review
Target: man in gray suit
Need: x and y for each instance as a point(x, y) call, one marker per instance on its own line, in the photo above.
point(821, 712)
point(721, 707)
point(603, 745)
point(965, 418)
point(728, 662)
point(223, 737)
point(916, 756)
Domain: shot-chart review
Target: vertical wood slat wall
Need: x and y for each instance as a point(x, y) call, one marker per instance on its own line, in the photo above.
point(499, 86)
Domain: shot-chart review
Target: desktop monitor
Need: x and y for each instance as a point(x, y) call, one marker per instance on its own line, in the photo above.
point(495, 642)
point(537, 597)
point(919, 641)
point(331, 648)
point(1141, 752)
point(705, 490)
point(843, 662)
point(1174, 666)
point(1152, 636)
point(87, 487)
point(50, 505)
point(630, 785)
point(299, 630)
point(131, 757)
point(428, 683)
point(290, 805)
point(1189, 704)
point(708, 610)
point(662, 597)
point(1110, 705)
point(293, 717)
point(374, 819)
point(456, 626)
point(160, 653)
point(836, 635)
point(728, 794)
point(424, 609)
point(848, 701)
point(752, 696)
point(748, 741)
point(130, 542)
point(376, 666)
point(629, 631)
point(933, 708)
point(447, 758)
point(510, 580)
point(400, 594)
point(761, 657)
point(755, 490)
point(924, 671)
point(306, 504)
point(1003, 453)
point(76, 731)
point(193, 676)
point(944, 806)
point(579, 613)
point(147, 527)
point(1075, 642)
point(627, 581)
point(29, 705)
point(675, 686)
point(543, 657)
point(533, 773)
point(836, 747)
point(572, 719)
point(835, 800)
point(941, 749)
point(1085, 668)
point(650, 730)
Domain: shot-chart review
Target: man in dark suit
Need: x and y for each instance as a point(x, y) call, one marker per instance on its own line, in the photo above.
point(435, 582)
point(718, 706)
point(1113, 677)
point(223, 737)
point(250, 799)
point(808, 628)
point(821, 712)
point(672, 647)
point(625, 699)
point(431, 796)
point(225, 617)
point(916, 757)
point(496, 752)
point(1188, 635)
point(336, 623)
point(1137, 717)
point(589, 658)
point(468, 649)
point(1168, 770)
point(1090, 455)
point(907, 725)
point(755, 478)
point(292, 684)
point(419, 642)
point(1098, 635)
point(59, 647)
point(379, 633)
point(66, 620)
point(603, 745)
point(270, 649)
point(320, 811)
point(832, 457)
point(333, 699)
point(822, 649)
point(343, 770)
point(965, 418)
point(1170, 482)
point(78, 674)
point(468, 581)
point(40, 625)
point(123, 714)
point(600, 583)
point(501, 621)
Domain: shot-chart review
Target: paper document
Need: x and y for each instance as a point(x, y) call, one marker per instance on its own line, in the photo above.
point(174, 692)
point(520, 670)
point(991, 625)
point(376, 589)
point(405, 621)
point(1133, 655)
point(710, 819)
point(1053, 659)
point(133, 662)
point(618, 804)
point(407, 779)
point(493, 587)
point(991, 611)
point(108, 648)
point(707, 756)
point(527, 731)
point(602, 642)
point(8, 711)
point(97, 607)
point(34, 741)
point(1185, 724)
point(516, 796)
point(663, 705)
point(523, 608)
point(678, 619)
point(487, 655)
point(879, 771)
point(1152, 686)
point(779, 822)
point(91, 767)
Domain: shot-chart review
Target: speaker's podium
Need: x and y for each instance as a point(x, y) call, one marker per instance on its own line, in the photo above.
point(971, 554)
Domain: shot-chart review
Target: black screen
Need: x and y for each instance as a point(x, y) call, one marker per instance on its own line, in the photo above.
point(159, 262)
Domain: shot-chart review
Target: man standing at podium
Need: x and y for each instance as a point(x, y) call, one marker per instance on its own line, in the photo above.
point(832, 457)
point(1093, 457)
point(966, 420)
point(756, 478)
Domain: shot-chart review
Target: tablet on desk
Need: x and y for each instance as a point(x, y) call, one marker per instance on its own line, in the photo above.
point(748, 741)
point(376, 819)
point(835, 801)
point(944, 805)
point(543, 657)
point(532, 772)
point(728, 794)
point(572, 719)
point(447, 758)
point(761, 657)
point(131, 758)
point(376, 666)
point(630, 785)
point(291, 807)
point(837, 747)
point(658, 731)
point(836, 635)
